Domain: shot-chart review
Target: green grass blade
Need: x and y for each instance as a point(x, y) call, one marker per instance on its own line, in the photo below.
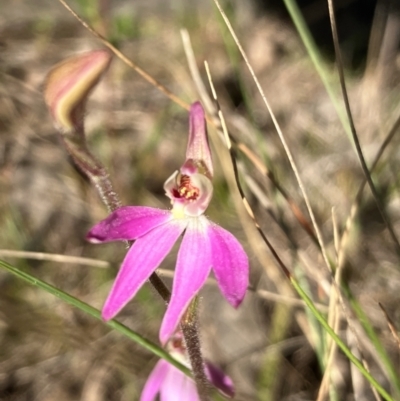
point(317, 331)
point(84, 307)
point(316, 58)
point(384, 357)
point(340, 343)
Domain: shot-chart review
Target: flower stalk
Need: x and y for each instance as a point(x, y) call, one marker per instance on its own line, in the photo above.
point(190, 332)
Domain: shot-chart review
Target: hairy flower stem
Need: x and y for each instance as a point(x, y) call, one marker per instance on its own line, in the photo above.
point(192, 341)
point(94, 170)
point(98, 175)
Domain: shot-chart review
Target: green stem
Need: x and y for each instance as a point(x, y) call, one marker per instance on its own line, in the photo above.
point(84, 307)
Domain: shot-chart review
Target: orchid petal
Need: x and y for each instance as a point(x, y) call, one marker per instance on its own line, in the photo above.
point(170, 185)
point(128, 223)
point(198, 149)
point(192, 268)
point(230, 264)
point(178, 386)
point(155, 381)
point(219, 379)
point(142, 259)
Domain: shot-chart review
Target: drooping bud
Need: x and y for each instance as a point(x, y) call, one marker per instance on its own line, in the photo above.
point(67, 88)
point(68, 85)
point(198, 152)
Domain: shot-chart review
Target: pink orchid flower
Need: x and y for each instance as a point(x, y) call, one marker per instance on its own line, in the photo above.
point(172, 384)
point(205, 245)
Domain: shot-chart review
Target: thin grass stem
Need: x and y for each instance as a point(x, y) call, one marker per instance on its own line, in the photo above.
point(53, 257)
point(359, 151)
point(281, 137)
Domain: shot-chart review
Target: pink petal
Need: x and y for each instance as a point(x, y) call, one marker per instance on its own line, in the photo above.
point(155, 381)
point(192, 269)
point(219, 379)
point(142, 259)
point(198, 148)
point(230, 264)
point(128, 223)
point(178, 387)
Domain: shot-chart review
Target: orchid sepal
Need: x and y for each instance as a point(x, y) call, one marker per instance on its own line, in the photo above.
point(198, 148)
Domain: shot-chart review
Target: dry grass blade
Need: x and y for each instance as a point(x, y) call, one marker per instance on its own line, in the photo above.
point(366, 172)
point(391, 325)
point(360, 154)
point(194, 71)
point(281, 137)
point(126, 60)
point(235, 170)
point(251, 156)
point(357, 200)
point(287, 150)
point(334, 320)
point(360, 387)
point(52, 257)
point(304, 222)
point(286, 292)
point(256, 161)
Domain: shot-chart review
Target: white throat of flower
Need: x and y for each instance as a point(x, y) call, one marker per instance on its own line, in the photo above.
point(190, 193)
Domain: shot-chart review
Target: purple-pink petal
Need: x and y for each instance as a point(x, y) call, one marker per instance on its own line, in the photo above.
point(155, 381)
point(192, 269)
point(230, 264)
point(219, 379)
point(142, 259)
point(177, 386)
point(128, 223)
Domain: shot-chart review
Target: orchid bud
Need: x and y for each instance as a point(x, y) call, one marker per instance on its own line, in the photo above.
point(67, 88)
point(69, 84)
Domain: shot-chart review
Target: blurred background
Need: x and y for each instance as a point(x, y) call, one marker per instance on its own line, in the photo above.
point(271, 346)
